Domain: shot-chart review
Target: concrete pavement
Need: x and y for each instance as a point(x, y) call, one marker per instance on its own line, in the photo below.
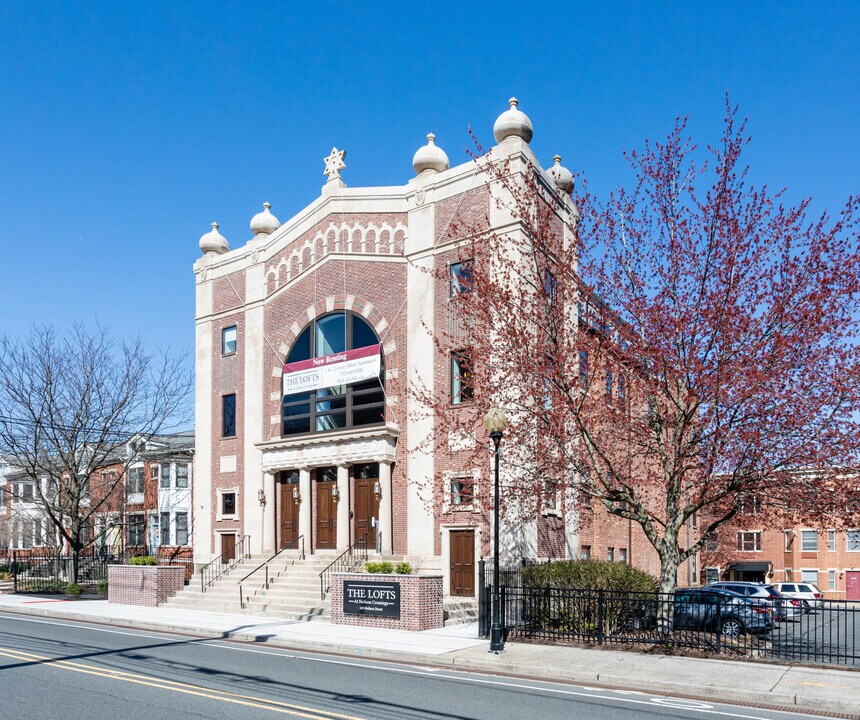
point(820, 689)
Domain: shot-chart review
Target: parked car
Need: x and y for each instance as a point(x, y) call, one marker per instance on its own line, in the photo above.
point(726, 612)
point(805, 592)
point(783, 608)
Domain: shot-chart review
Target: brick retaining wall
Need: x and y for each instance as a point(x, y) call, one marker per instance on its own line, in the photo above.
point(421, 602)
point(144, 585)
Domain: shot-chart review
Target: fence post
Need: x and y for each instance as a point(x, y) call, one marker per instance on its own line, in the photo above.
point(14, 571)
point(600, 617)
point(719, 625)
point(504, 610)
point(482, 598)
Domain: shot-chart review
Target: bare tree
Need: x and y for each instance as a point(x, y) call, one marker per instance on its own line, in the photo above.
point(78, 401)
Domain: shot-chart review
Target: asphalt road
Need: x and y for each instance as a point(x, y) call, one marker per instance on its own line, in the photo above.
point(830, 634)
point(70, 671)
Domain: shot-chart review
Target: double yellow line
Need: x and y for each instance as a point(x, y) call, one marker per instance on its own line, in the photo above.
point(259, 703)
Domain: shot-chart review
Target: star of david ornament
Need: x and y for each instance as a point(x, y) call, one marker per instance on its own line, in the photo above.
point(334, 163)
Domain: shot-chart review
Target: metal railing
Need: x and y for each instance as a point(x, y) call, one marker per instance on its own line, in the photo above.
point(343, 563)
point(210, 572)
point(298, 542)
point(720, 624)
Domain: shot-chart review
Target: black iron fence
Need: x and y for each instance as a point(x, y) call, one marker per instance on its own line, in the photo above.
point(52, 572)
point(698, 620)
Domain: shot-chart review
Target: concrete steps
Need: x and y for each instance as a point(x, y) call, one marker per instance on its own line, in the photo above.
point(460, 610)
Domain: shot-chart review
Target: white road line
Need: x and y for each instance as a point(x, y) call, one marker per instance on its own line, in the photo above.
point(666, 702)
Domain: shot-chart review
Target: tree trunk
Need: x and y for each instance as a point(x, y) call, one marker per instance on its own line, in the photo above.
point(669, 562)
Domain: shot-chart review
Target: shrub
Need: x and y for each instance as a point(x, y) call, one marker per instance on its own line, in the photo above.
point(588, 575)
point(102, 588)
point(74, 590)
point(143, 560)
point(403, 568)
point(383, 567)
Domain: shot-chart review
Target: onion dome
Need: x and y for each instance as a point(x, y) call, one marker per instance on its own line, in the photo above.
point(430, 157)
point(561, 176)
point(214, 242)
point(513, 123)
point(264, 223)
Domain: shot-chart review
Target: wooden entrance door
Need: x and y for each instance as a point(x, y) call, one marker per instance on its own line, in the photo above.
point(228, 548)
point(326, 516)
point(462, 552)
point(366, 507)
point(288, 510)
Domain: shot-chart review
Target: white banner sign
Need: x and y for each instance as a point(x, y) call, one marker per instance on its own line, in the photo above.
point(343, 368)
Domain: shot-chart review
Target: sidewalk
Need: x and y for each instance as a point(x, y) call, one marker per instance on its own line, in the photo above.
point(822, 689)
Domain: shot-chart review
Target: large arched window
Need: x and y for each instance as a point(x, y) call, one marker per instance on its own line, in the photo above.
point(342, 406)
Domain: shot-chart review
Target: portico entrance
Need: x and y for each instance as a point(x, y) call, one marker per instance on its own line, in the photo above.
point(326, 508)
point(288, 509)
point(366, 494)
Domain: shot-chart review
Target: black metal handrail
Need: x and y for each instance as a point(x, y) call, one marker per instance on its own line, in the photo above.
point(342, 562)
point(210, 572)
point(300, 540)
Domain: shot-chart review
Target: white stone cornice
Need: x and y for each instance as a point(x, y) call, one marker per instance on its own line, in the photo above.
point(342, 449)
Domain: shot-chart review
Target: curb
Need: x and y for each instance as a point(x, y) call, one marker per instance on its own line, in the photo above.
point(770, 699)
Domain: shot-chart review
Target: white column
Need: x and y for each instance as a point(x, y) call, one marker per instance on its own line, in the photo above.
point(342, 507)
point(385, 524)
point(268, 533)
point(305, 507)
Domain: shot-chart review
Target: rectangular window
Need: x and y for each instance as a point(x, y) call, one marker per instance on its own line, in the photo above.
point(228, 503)
point(28, 534)
point(609, 385)
point(622, 555)
point(787, 578)
point(749, 505)
point(549, 284)
point(181, 475)
point(749, 541)
point(585, 552)
point(164, 529)
point(852, 540)
point(610, 554)
point(831, 540)
point(809, 540)
point(550, 495)
point(228, 340)
point(462, 491)
point(228, 415)
point(37, 533)
point(165, 475)
point(711, 542)
point(789, 539)
point(181, 528)
point(712, 575)
point(461, 278)
point(135, 480)
point(622, 388)
point(831, 580)
point(583, 368)
point(136, 537)
point(809, 576)
point(461, 377)
point(28, 492)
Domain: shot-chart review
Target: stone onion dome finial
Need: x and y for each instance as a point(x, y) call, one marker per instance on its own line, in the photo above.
point(562, 177)
point(264, 223)
point(430, 157)
point(513, 123)
point(214, 242)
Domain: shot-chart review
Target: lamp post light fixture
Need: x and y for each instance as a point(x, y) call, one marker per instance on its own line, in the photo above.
point(495, 421)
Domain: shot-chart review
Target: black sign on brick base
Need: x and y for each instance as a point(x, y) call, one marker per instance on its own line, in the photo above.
point(381, 599)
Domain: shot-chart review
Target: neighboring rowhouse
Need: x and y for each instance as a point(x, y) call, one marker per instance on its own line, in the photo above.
point(309, 335)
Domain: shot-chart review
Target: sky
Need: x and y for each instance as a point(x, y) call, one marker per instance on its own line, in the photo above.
point(126, 128)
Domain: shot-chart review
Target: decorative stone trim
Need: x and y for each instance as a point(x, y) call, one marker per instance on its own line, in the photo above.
point(421, 602)
point(144, 585)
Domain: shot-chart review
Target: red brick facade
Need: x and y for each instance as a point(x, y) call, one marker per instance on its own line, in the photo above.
point(421, 605)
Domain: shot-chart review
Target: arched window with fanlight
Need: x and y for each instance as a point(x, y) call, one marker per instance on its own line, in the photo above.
point(342, 406)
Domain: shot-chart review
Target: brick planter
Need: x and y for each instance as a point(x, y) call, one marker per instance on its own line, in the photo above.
point(420, 601)
point(147, 585)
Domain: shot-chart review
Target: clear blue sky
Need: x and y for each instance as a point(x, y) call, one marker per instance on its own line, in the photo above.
point(127, 127)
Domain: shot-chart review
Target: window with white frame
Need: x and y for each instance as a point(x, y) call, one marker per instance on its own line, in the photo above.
point(711, 542)
point(749, 541)
point(28, 492)
point(809, 576)
point(462, 492)
point(165, 475)
point(831, 580)
point(610, 554)
point(852, 540)
point(809, 540)
point(181, 475)
point(181, 528)
point(550, 496)
point(135, 480)
point(789, 539)
point(831, 540)
point(136, 532)
point(749, 505)
point(788, 574)
point(461, 278)
point(2, 499)
point(164, 529)
point(228, 340)
point(585, 552)
point(622, 555)
point(461, 377)
point(228, 504)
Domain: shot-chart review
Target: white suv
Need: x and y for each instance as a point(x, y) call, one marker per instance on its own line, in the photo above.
point(808, 593)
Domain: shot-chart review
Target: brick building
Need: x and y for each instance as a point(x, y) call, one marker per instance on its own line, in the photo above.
point(307, 338)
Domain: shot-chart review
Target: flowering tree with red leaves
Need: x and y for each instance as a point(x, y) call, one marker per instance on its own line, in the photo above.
point(676, 349)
